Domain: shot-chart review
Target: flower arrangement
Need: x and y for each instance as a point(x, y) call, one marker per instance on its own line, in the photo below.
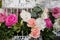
point(33, 26)
point(41, 21)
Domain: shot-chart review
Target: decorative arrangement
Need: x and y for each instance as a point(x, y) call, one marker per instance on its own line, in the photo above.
point(25, 24)
point(28, 24)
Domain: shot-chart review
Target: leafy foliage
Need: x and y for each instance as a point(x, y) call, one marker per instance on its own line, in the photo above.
point(48, 34)
point(36, 12)
point(51, 17)
point(5, 33)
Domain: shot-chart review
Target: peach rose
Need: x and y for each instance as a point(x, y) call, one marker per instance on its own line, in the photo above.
point(35, 32)
point(31, 22)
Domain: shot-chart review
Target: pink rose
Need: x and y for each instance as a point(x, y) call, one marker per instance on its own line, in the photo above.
point(2, 17)
point(35, 32)
point(31, 22)
point(48, 23)
point(11, 20)
point(56, 12)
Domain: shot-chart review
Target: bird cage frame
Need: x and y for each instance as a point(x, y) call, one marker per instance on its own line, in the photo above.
point(16, 10)
point(19, 3)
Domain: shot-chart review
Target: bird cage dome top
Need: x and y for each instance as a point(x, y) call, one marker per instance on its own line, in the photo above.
point(18, 3)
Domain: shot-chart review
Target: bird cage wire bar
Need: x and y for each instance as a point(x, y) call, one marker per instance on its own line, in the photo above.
point(11, 10)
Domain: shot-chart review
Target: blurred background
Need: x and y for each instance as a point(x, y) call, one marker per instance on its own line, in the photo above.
point(0, 3)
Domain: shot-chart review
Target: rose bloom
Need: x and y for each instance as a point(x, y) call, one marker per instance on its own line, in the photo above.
point(31, 22)
point(48, 23)
point(25, 15)
point(11, 20)
point(35, 32)
point(2, 17)
point(56, 12)
point(40, 23)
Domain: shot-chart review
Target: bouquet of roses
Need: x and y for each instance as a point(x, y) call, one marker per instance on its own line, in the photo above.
point(35, 23)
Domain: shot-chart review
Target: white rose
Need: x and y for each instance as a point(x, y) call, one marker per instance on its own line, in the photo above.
point(40, 23)
point(25, 15)
point(57, 25)
point(45, 14)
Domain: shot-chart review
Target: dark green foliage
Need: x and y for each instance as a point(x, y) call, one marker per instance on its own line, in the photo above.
point(47, 34)
point(36, 12)
point(5, 33)
point(25, 29)
point(51, 17)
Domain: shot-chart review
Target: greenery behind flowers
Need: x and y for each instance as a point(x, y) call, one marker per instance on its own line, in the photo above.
point(48, 34)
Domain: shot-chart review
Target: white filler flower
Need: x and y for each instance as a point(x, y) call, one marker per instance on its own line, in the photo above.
point(40, 23)
point(25, 15)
